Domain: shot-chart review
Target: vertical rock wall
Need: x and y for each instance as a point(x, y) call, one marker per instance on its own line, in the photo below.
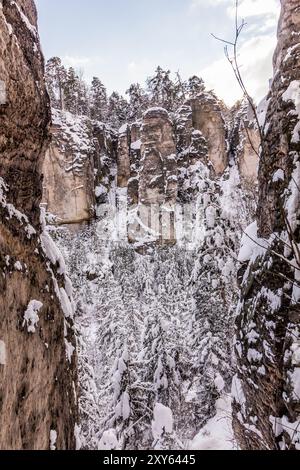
point(37, 348)
point(267, 385)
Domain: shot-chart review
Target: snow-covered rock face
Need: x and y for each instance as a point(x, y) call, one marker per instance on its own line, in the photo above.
point(267, 407)
point(22, 118)
point(157, 178)
point(79, 167)
point(155, 163)
point(208, 118)
point(35, 378)
point(158, 172)
point(68, 172)
point(245, 141)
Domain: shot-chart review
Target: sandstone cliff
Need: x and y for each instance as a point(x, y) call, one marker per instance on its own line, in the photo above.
point(79, 167)
point(37, 360)
point(267, 385)
point(156, 161)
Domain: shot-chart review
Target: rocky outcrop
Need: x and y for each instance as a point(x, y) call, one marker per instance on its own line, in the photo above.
point(123, 157)
point(38, 407)
point(68, 171)
point(245, 142)
point(153, 218)
point(79, 168)
point(267, 385)
point(158, 173)
point(155, 163)
point(208, 118)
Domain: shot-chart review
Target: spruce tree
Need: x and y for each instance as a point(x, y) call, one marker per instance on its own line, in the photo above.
point(55, 75)
point(161, 89)
point(195, 86)
point(71, 92)
point(117, 110)
point(138, 102)
point(98, 100)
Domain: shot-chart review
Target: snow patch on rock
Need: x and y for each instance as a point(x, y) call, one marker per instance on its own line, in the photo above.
point(31, 317)
point(293, 94)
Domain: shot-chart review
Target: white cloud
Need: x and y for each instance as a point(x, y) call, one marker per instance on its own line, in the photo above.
point(80, 61)
point(247, 8)
point(255, 58)
point(76, 61)
point(139, 71)
point(255, 52)
point(250, 8)
point(207, 3)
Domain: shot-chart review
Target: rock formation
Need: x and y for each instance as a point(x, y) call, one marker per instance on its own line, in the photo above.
point(267, 384)
point(37, 360)
point(78, 169)
point(245, 142)
point(156, 159)
point(208, 118)
point(157, 180)
point(69, 176)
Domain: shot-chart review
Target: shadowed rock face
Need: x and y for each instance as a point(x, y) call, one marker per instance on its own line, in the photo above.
point(68, 171)
point(24, 111)
point(158, 174)
point(245, 142)
point(79, 167)
point(207, 118)
point(266, 388)
point(156, 160)
point(123, 157)
point(37, 380)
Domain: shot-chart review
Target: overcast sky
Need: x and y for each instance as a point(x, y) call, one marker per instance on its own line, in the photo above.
point(123, 41)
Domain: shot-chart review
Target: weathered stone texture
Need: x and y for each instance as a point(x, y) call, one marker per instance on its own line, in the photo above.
point(79, 167)
point(37, 382)
point(267, 404)
point(208, 118)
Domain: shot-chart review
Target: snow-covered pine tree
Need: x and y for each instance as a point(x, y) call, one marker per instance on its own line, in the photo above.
point(98, 100)
point(138, 102)
point(180, 91)
point(195, 86)
point(71, 92)
point(83, 96)
point(117, 110)
point(160, 368)
point(55, 75)
point(161, 89)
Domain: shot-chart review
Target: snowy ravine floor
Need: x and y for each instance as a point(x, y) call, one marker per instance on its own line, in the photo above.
point(156, 316)
point(217, 434)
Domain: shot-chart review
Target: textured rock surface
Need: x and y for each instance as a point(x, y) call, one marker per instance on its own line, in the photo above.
point(158, 175)
point(123, 157)
point(68, 171)
point(79, 167)
point(266, 388)
point(153, 182)
point(155, 163)
point(208, 118)
point(245, 142)
point(24, 107)
point(37, 381)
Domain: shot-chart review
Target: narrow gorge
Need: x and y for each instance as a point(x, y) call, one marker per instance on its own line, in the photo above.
point(149, 256)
